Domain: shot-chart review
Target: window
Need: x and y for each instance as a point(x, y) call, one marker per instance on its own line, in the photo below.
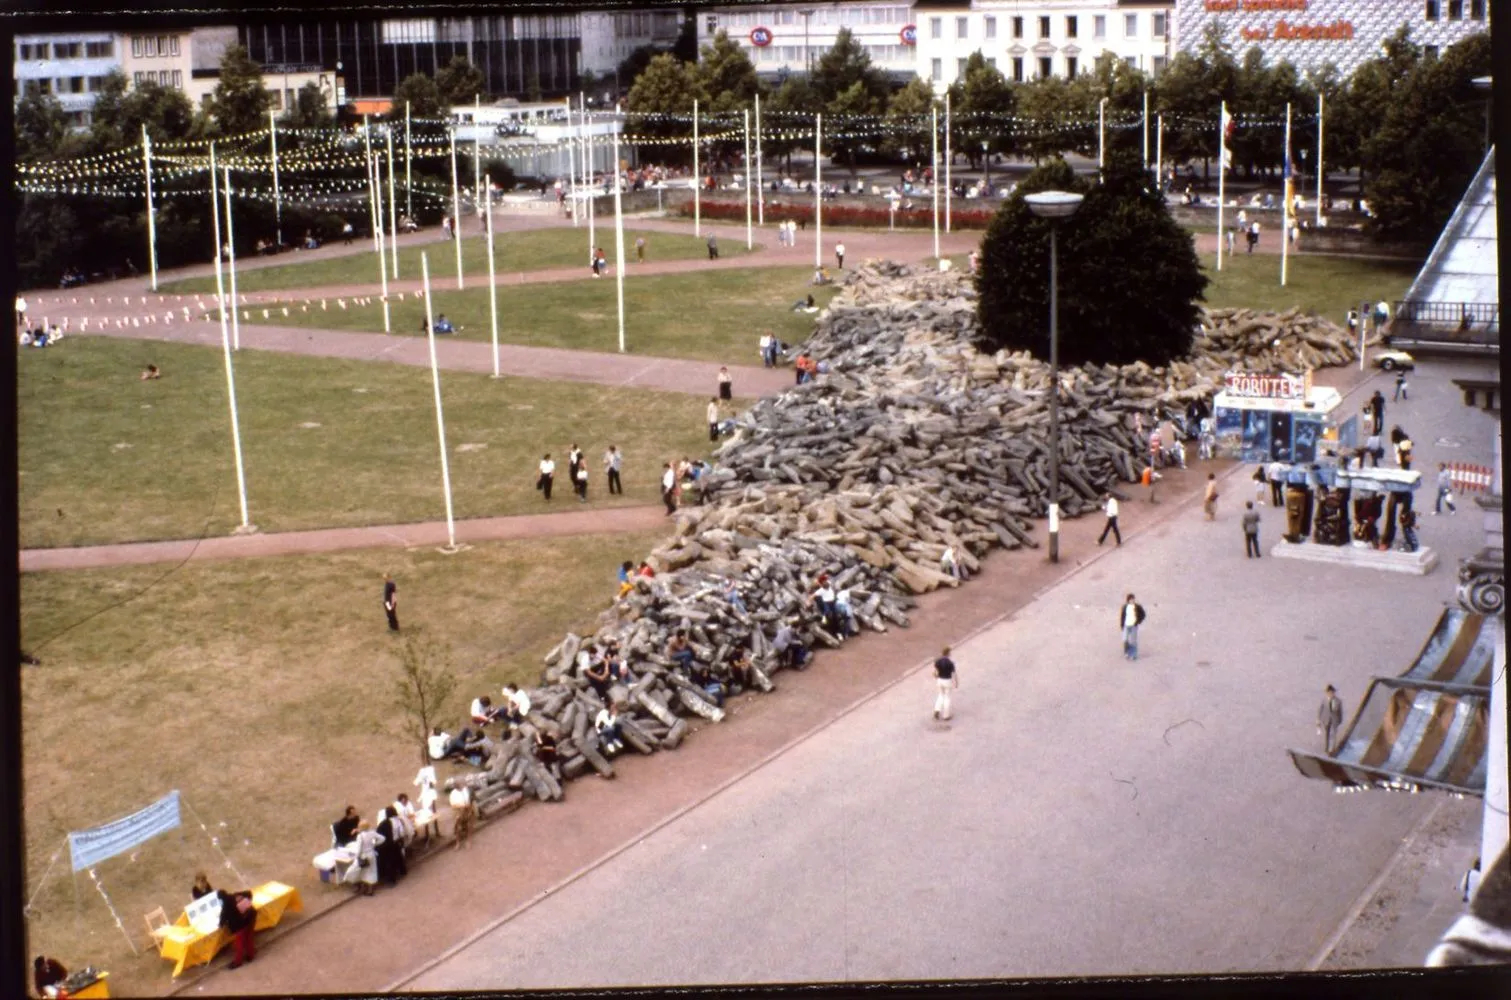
point(1017, 27)
point(1017, 69)
point(95, 84)
point(164, 77)
point(149, 46)
point(1159, 64)
point(1130, 25)
point(1159, 29)
point(1070, 27)
point(173, 44)
point(1043, 27)
point(960, 69)
point(204, 101)
point(277, 103)
point(1044, 67)
point(67, 50)
point(178, 79)
point(991, 61)
point(936, 27)
point(1455, 10)
point(164, 45)
point(1070, 67)
point(991, 27)
point(1131, 61)
point(136, 46)
point(27, 51)
point(1476, 10)
point(99, 50)
point(1432, 10)
point(962, 27)
point(1099, 26)
point(136, 78)
point(936, 70)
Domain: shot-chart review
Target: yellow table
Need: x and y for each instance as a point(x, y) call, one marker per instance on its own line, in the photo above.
point(187, 947)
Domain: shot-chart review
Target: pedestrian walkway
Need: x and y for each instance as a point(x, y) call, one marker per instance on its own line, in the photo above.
point(406, 536)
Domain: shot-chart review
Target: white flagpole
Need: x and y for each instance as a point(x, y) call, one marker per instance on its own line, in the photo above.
point(1101, 136)
point(231, 263)
point(571, 164)
point(408, 180)
point(1320, 172)
point(948, 188)
point(225, 343)
point(697, 177)
point(587, 183)
point(277, 198)
point(440, 419)
point(377, 189)
point(619, 267)
point(749, 218)
point(1145, 128)
point(492, 282)
point(151, 211)
point(818, 192)
point(760, 190)
point(456, 207)
point(393, 208)
point(1289, 185)
point(935, 111)
point(477, 150)
point(1159, 152)
point(1222, 172)
point(372, 204)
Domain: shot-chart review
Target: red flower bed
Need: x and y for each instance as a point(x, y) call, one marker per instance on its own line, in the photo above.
point(845, 214)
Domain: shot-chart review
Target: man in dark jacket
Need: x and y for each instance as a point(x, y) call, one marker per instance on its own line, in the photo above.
point(1130, 617)
point(239, 918)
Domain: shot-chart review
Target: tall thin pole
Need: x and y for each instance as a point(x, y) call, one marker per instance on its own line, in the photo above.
point(477, 150)
point(818, 191)
point(231, 263)
point(151, 211)
point(277, 198)
point(393, 209)
point(1288, 193)
point(935, 174)
point(1145, 129)
point(1159, 152)
point(1222, 173)
point(225, 343)
point(456, 208)
point(587, 184)
point(408, 179)
point(377, 189)
point(697, 177)
point(619, 263)
point(948, 187)
point(1320, 172)
point(440, 418)
point(1101, 135)
point(760, 189)
point(372, 204)
point(1054, 393)
point(749, 217)
point(492, 282)
point(571, 142)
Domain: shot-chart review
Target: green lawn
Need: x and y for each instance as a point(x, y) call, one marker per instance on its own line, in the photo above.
point(1327, 286)
point(105, 457)
point(261, 689)
point(513, 252)
point(715, 315)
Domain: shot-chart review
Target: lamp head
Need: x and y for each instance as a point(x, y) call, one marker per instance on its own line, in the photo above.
point(1053, 204)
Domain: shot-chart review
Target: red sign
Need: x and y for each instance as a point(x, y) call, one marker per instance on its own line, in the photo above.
point(760, 37)
point(1259, 386)
point(909, 34)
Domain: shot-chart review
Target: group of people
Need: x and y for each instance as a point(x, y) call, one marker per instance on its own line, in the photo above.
point(577, 472)
point(380, 848)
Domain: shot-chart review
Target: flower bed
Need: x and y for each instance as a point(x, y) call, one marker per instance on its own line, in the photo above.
point(844, 214)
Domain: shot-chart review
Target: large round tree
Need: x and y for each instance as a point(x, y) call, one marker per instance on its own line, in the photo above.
point(1129, 277)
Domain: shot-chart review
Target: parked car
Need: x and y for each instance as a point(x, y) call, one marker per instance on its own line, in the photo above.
point(1391, 360)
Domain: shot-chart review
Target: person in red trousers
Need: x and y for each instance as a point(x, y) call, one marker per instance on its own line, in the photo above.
point(239, 918)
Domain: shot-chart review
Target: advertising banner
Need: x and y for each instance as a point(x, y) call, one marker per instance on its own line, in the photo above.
point(89, 847)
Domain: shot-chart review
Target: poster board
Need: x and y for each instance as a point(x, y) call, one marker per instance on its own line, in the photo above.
point(204, 913)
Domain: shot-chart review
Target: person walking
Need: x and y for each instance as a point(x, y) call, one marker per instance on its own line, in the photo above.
point(574, 459)
point(613, 460)
point(839, 255)
point(1400, 386)
point(640, 249)
point(1329, 718)
point(668, 488)
point(1130, 617)
point(1209, 498)
point(1250, 531)
point(713, 420)
point(766, 353)
point(1275, 475)
point(946, 679)
point(726, 383)
point(391, 601)
point(547, 475)
point(581, 482)
point(1403, 451)
point(1377, 410)
point(1374, 449)
point(713, 247)
point(1445, 491)
point(1110, 506)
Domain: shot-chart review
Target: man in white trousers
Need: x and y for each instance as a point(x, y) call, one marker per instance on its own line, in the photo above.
point(946, 679)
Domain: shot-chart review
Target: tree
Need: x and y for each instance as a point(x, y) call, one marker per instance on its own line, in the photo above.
point(908, 120)
point(791, 111)
point(667, 87)
point(309, 110)
point(845, 64)
point(421, 94)
point(1044, 101)
point(41, 127)
point(1123, 86)
point(119, 114)
point(853, 115)
point(239, 103)
point(1129, 279)
point(979, 104)
point(726, 74)
point(423, 688)
point(635, 63)
point(460, 82)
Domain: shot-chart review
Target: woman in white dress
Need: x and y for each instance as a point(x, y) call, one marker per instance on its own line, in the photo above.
point(365, 872)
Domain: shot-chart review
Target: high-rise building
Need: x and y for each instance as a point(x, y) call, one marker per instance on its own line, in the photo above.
point(72, 66)
point(609, 37)
point(791, 39)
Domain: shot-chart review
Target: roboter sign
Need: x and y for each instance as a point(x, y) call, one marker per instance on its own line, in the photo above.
point(1253, 385)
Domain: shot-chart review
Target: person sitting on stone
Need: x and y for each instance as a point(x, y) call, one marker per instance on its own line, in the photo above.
point(518, 708)
point(597, 676)
point(483, 711)
point(619, 670)
point(646, 570)
point(607, 726)
point(823, 598)
point(844, 615)
point(626, 579)
point(442, 744)
point(477, 748)
point(788, 648)
point(546, 752)
point(704, 680)
point(679, 650)
point(739, 668)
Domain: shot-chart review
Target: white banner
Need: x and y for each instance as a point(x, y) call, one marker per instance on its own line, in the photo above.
point(90, 847)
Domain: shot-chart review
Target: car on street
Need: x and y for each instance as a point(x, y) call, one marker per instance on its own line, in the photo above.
point(1391, 360)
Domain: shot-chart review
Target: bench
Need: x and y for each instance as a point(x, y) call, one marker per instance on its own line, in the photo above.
point(1472, 387)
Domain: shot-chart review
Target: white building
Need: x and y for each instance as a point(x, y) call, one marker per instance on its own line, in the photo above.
point(789, 39)
point(1309, 33)
point(609, 37)
point(72, 66)
point(1029, 39)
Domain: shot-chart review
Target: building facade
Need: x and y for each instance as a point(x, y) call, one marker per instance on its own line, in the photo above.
point(609, 37)
point(1312, 33)
point(789, 39)
point(1029, 39)
point(164, 58)
point(71, 66)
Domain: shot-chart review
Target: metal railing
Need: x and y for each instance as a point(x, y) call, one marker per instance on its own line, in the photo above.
point(1462, 316)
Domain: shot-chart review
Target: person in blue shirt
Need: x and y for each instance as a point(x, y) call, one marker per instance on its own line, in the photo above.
point(443, 325)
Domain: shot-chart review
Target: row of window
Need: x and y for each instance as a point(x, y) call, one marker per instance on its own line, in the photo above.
point(1456, 10)
point(1046, 67)
point(881, 55)
point(163, 77)
point(1158, 27)
point(849, 17)
point(152, 46)
point(62, 85)
point(26, 51)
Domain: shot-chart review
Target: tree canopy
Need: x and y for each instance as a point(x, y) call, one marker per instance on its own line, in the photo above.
point(459, 82)
point(419, 92)
point(726, 76)
point(843, 66)
point(239, 103)
point(1129, 279)
point(983, 92)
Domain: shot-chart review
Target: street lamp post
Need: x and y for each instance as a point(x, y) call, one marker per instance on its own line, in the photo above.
point(986, 162)
point(1055, 206)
